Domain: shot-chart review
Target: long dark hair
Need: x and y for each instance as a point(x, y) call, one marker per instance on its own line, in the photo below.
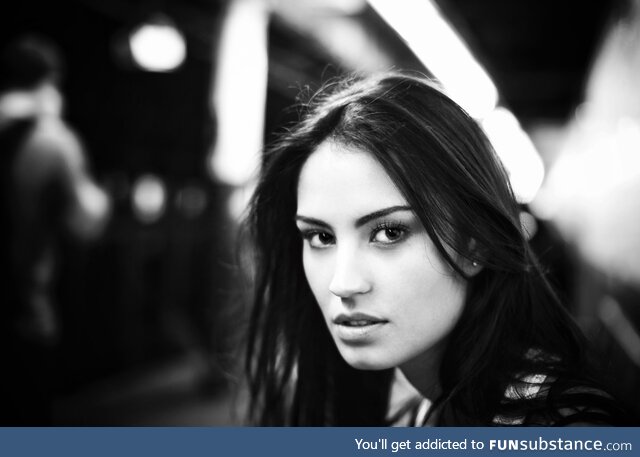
point(441, 161)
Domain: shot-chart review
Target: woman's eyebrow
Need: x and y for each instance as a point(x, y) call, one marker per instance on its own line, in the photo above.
point(380, 213)
point(312, 221)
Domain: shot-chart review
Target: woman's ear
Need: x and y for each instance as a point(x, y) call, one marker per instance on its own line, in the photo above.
point(471, 267)
point(470, 263)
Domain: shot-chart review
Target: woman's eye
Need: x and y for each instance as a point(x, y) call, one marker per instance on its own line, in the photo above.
point(318, 240)
point(388, 235)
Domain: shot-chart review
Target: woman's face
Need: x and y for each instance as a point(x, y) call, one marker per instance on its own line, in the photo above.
point(386, 295)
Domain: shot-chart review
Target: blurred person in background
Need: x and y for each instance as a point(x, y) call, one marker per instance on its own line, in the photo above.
point(47, 193)
point(387, 240)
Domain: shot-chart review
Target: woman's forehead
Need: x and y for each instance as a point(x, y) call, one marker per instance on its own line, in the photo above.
point(337, 177)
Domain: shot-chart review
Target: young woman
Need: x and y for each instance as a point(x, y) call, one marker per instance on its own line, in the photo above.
point(386, 236)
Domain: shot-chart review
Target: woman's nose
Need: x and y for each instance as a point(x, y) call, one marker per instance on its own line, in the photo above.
point(349, 275)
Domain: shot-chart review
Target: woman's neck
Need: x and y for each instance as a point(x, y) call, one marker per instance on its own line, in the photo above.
point(423, 371)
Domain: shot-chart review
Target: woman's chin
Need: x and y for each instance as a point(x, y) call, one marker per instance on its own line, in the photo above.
point(366, 362)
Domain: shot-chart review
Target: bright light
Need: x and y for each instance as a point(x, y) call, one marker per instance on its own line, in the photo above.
point(149, 198)
point(438, 46)
point(591, 191)
point(517, 153)
point(158, 46)
point(239, 95)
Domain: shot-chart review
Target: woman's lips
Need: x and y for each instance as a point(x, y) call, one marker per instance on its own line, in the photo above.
point(357, 320)
point(357, 327)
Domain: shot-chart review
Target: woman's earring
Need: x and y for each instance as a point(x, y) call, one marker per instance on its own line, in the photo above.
point(474, 263)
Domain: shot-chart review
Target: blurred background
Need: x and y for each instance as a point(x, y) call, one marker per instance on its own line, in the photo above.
point(174, 99)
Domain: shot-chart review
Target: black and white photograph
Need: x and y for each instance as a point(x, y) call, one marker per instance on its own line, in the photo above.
point(320, 213)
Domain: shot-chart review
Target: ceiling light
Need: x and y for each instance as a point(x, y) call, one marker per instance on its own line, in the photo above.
point(158, 45)
point(442, 51)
